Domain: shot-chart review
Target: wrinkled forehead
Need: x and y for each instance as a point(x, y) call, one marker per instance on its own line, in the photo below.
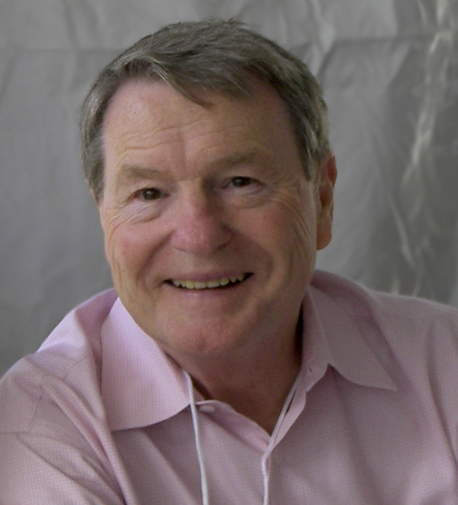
point(151, 123)
point(153, 103)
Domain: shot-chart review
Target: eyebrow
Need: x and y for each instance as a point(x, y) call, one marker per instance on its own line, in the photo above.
point(128, 173)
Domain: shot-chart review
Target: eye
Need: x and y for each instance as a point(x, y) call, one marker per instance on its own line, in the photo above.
point(149, 194)
point(241, 182)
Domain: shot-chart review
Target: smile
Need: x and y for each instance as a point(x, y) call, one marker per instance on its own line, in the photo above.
point(217, 283)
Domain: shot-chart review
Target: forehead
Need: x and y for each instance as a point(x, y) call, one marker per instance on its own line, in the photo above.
point(145, 116)
point(158, 102)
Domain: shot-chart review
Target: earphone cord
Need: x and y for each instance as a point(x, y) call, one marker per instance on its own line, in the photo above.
point(265, 458)
point(200, 455)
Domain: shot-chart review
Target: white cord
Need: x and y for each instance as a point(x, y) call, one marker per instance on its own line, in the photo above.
point(265, 478)
point(200, 455)
point(265, 458)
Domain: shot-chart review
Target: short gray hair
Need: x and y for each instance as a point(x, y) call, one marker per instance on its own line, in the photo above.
point(212, 55)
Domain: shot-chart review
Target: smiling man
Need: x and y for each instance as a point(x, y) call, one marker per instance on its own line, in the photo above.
point(222, 368)
point(211, 230)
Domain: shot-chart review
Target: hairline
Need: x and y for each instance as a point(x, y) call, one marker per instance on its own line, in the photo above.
point(152, 58)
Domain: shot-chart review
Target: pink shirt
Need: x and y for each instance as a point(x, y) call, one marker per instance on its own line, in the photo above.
point(100, 416)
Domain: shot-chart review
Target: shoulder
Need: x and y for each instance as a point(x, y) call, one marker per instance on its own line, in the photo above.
point(384, 308)
point(65, 370)
point(417, 338)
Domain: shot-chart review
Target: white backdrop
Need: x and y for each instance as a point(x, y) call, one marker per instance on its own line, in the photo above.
point(389, 69)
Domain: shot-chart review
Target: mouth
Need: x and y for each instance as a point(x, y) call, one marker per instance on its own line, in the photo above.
point(223, 282)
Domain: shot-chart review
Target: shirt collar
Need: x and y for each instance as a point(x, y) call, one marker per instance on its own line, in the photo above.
point(337, 328)
point(140, 384)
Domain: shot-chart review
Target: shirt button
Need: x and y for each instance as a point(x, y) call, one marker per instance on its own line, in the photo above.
point(207, 408)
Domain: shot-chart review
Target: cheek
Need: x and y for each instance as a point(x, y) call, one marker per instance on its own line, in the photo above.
point(298, 224)
point(123, 245)
point(131, 250)
point(304, 231)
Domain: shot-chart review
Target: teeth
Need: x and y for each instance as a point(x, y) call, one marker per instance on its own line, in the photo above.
point(208, 285)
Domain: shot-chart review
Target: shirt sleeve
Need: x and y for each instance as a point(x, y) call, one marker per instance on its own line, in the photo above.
point(45, 471)
point(55, 447)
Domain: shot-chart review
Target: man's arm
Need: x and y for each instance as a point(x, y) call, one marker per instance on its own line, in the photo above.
point(44, 471)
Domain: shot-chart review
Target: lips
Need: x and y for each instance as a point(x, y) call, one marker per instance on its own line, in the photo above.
point(213, 284)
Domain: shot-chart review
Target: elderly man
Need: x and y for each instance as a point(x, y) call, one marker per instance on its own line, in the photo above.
point(222, 369)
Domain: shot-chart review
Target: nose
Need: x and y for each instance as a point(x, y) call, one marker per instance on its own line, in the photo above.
point(200, 226)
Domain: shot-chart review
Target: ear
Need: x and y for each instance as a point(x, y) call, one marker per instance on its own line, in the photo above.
point(324, 181)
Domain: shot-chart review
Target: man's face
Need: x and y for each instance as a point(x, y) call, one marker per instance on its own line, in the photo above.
point(210, 225)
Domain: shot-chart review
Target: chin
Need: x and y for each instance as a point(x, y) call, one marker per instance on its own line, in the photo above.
point(202, 343)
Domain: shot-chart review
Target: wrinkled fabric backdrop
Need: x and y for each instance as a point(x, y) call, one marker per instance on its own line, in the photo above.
point(389, 69)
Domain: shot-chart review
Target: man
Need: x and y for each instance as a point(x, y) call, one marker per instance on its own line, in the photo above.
point(223, 369)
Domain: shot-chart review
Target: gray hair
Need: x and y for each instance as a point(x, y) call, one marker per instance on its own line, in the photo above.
point(213, 55)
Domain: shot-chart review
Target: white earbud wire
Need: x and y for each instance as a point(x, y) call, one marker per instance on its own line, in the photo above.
point(200, 455)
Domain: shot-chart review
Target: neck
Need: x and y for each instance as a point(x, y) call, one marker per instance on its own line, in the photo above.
point(256, 387)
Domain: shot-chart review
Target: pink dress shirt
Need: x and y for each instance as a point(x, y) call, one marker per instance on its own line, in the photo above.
point(100, 416)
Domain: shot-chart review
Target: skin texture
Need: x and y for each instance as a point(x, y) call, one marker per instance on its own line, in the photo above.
point(199, 194)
